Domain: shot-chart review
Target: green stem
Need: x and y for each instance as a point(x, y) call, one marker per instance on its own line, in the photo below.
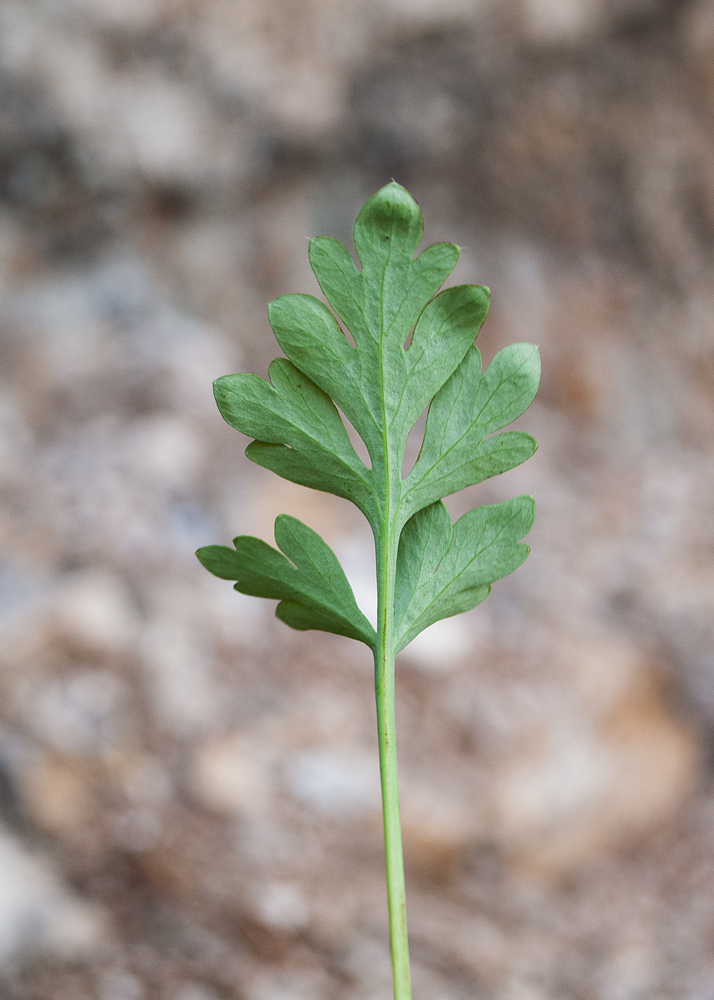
point(386, 729)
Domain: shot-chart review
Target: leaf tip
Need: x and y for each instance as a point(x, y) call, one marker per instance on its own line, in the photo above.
point(528, 506)
point(219, 385)
point(392, 215)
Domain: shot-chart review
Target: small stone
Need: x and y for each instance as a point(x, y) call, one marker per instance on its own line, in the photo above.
point(180, 675)
point(230, 775)
point(57, 795)
point(93, 614)
point(342, 784)
point(557, 21)
point(440, 647)
point(38, 915)
point(164, 451)
point(121, 986)
point(282, 906)
point(77, 715)
point(137, 830)
point(193, 992)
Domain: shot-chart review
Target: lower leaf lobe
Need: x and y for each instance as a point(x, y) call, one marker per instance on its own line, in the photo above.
point(306, 577)
point(443, 570)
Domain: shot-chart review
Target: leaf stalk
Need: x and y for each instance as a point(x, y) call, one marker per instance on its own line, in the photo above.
point(384, 680)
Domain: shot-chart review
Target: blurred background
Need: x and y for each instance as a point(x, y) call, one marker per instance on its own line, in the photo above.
point(188, 790)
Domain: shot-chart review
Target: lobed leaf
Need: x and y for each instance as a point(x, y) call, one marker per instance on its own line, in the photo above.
point(352, 359)
point(298, 431)
point(310, 336)
point(443, 335)
point(305, 576)
point(443, 570)
point(470, 406)
point(381, 387)
point(395, 286)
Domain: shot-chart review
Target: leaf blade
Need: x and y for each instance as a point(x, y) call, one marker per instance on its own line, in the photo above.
point(311, 338)
point(293, 411)
point(456, 451)
point(459, 565)
point(305, 576)
point(396, 286)
point(445, 330)
point(381, 386)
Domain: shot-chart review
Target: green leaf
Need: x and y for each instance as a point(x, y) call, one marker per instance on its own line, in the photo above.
point(443, 570)
point(470, 406)
point(443, 334)
point(307, 579)
point(310, 336)
point(381, 386)
point(388, 346)
point(300, 433)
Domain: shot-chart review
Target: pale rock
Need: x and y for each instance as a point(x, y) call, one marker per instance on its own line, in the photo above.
point(294, 68)
point(57, 794)
point(16, 446)
point(296, 984)
point(23, 619)
point(186, 353)
point(698, 36)
point(286, 216)
point(167, 129)
point(140, 123)
point(439, 822)
point(6, 526)
point(471, 940)
point(517, 989)
point(323, 716)
point(19, 37)
point(137, 829)
point(214, 255)
point(60, 315)
point(117, 985)
point(368, 961)
point(15, 252)
point(164, 451)
point(630, 972)
point(38, 915)
point(142, 778)
point(425, 14)
point(588, 774)
point(603, 668)
point(283, 906)
point(23, 631)
point(93, 615)
point(135, 15)
point(232, 775)
point(238, 620)
point(193, 992)
point(77, 715)
point(356, 554)
point(180, 675)
point(342, 784)
point(558, 21)
point(322, 512)
point(440, 647)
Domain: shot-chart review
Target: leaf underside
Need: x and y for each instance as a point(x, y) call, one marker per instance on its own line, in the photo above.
point(382, 387)
point(446, 569)
point(305, 576)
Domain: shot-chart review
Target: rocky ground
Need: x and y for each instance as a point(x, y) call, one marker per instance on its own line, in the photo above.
point(188, 790)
